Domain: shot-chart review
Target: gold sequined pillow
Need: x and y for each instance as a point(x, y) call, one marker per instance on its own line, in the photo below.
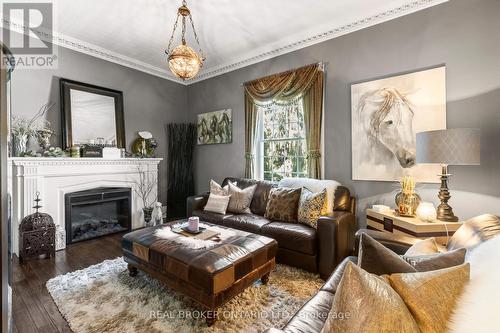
point(310, 206)
point(431, 296)
point(282, 204)
point(403, 302)
point(365, 302)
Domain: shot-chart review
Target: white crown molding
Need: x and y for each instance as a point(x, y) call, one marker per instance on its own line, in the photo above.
point(94, 51)
point(249, 59)
point(410, 7)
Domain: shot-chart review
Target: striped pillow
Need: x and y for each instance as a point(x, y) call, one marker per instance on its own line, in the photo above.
point(217, 203)
point(240, 199)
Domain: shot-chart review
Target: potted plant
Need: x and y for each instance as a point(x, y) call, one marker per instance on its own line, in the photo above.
point(144, 185)
point(23, 129)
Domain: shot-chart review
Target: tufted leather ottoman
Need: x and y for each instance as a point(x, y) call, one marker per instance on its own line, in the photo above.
point(212, 276)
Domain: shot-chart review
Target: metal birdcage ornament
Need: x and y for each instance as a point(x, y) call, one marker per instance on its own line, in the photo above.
point(36, 234)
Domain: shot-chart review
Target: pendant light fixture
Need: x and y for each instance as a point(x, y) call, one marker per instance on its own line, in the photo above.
point(183, 61)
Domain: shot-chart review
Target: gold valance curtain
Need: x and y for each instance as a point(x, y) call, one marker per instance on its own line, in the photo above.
point(305, 82)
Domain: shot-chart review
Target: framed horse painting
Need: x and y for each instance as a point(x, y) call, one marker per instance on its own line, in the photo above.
point(386, 115)
point(215, 127)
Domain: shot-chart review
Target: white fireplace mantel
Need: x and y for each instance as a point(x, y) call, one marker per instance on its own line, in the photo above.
point(54, 177)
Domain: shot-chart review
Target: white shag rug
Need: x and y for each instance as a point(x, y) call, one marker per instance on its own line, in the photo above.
point(104, 298)
point(193, 243)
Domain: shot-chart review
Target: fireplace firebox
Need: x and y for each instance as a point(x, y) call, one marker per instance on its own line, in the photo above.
point(97, 212)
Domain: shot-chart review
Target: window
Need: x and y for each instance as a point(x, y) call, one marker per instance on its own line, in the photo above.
point(282, 150)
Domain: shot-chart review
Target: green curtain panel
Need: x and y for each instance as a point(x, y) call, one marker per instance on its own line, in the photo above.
point(313, 112)
point(180, 175)
point(306, 82)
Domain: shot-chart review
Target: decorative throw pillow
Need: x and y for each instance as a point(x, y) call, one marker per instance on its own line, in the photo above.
point(424, 246)
point(475, 231)
point(215, 188)
point(406, 302)
point(310, 206)
point(240, 199)
point(314, 185)
point(282, 204)
point(377, 259)
point(431, 296)
point(432, 262)
point(365, 302)
point(217, 203)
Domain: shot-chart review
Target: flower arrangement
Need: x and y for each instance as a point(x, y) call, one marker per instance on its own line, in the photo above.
point(407, 185)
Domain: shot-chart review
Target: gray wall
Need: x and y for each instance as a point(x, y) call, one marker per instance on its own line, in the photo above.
point(463, 34)
point(149, 101)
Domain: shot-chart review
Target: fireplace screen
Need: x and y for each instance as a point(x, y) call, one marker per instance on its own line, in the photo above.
point(97, 212)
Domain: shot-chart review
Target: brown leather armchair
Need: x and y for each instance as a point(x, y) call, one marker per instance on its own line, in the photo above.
point(316, 250)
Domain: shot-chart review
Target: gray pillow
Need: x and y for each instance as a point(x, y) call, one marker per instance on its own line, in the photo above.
point(432, 262)
point(375, 258)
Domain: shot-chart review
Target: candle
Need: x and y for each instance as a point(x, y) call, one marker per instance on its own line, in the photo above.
point(194, 223)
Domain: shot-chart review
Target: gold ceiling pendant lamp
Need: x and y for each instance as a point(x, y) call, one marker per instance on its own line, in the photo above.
point(183, 61)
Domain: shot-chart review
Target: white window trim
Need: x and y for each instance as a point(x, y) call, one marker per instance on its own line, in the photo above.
point(259, 153)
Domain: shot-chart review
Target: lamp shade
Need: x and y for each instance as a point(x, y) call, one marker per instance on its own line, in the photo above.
point(458, 146)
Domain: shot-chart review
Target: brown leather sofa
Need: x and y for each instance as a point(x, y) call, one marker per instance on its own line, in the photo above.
point(315, 250)
point(312, 316)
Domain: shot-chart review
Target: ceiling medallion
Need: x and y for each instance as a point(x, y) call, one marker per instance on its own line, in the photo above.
point(183, 61)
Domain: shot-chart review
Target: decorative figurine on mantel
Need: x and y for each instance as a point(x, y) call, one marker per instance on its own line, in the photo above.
point(145, 145)
point(37, 234)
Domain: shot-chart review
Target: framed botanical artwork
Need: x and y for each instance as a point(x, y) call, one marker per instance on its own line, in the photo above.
point(215, 127)
point(386, 115)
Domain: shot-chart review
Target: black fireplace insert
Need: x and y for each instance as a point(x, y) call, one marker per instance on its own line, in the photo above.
point(97, 212)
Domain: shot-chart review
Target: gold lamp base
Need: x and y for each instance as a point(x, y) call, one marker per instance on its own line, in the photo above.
point(444, 211)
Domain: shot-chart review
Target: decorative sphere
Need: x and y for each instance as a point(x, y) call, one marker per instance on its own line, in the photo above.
point(426, 211)
point(184, 62)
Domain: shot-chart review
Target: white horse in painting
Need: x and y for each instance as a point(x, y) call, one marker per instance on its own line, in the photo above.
point(383, 135)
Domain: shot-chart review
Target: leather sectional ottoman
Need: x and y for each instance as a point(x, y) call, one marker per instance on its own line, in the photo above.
point(210, 276)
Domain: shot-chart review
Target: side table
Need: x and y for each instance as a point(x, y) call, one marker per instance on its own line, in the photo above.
point(391, 222)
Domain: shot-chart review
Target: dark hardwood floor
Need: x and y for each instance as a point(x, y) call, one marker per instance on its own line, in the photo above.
point(33, 310)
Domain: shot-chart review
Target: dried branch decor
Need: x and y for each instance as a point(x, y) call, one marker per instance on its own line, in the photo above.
point(30, 127)
point(144, 186)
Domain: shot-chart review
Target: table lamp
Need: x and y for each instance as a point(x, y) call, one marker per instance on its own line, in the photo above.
point(459, 146)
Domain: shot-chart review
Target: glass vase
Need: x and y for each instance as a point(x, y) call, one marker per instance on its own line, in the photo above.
point(407, 203)
point(44, 138)
point(148, 211)
point(20, 144)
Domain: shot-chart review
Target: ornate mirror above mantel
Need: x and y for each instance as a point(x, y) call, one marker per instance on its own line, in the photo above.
point(91, 115)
